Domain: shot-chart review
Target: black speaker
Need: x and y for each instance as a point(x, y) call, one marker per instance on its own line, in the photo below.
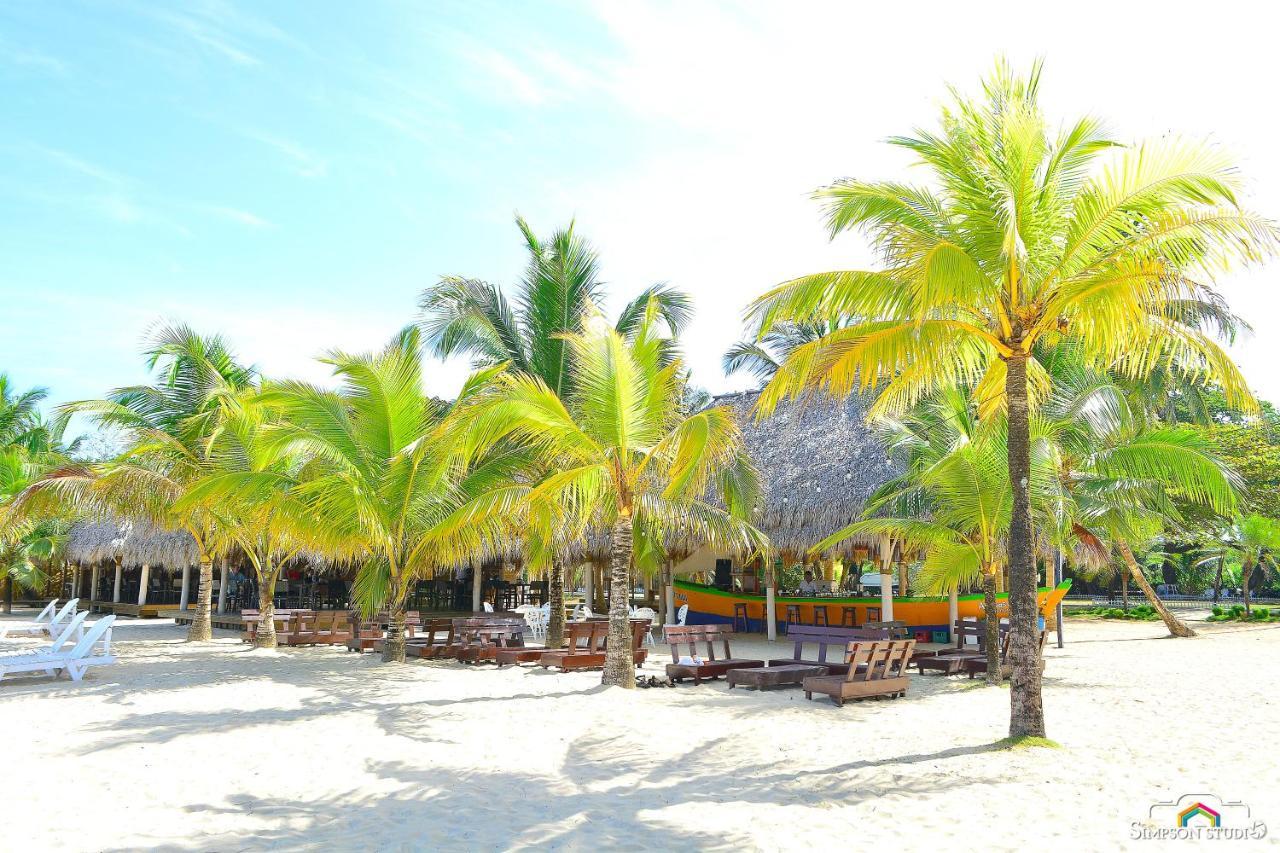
point(724, 574)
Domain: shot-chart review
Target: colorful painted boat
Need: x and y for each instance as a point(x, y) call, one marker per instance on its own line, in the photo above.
point(709, 605)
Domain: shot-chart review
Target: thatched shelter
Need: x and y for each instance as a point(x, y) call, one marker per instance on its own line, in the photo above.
point(818, 464)
point(135, 542)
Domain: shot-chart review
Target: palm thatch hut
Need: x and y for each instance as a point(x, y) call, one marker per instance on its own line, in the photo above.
point(819, 462)
point(126, 543)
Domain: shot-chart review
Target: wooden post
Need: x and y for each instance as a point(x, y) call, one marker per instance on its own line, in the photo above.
point(953, 611)
point(183, 596)
point(93, 584)
point(222, 588)
point(115, 596)
point(476, 587)
point(670, 593)
point(770, 610)
point(144, 580)
point(589, 586)
point(1057, 579)
point(886, 579)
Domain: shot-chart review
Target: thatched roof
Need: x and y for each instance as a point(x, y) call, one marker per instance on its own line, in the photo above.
point(818, 463)
point(136, 542)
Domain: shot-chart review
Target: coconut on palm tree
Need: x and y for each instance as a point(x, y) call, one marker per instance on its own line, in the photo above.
point(1024, 236)
point(559, 288)
point(628, 457)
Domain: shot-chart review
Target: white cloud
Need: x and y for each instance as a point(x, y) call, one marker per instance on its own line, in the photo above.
point(303, 162)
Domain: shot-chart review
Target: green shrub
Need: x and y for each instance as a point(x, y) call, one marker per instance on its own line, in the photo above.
point(1217, 611)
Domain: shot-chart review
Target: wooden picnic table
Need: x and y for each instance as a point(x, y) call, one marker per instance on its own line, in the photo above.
point(773, 676)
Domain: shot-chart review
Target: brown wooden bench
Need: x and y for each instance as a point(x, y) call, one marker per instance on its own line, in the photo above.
point(587, 647)
point(951, 661)
point(689, 637)
point(824, 638)
point(482, 642)
point(433, 640)
point(367, 634)
point(897, 629)
point(875, 669)
point(284, 622)
point(978, 666)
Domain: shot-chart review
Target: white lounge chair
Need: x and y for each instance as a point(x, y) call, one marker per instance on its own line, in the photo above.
point(46, 626)
point(92, 649)
point(72, 632)
point(682, 613)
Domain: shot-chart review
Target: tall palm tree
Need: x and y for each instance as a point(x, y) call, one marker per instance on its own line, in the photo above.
point(559, 288)
point(246, 487)
point(628, 458)
point(953, 501)
point(1021, 240)
point(168, 425)
point(382, 485)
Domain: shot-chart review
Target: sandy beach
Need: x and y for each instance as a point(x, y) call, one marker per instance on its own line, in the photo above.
point(220, 747)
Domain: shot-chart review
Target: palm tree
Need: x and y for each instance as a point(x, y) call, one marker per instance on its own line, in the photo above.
point(559, 288)
point(628, 458)
point(382, 486)
point(1022, 240)
point(952, 503)
point(1128, 479)
point(30, 446)
point(764, 352)
point(1255, 540)
point(168, 425)
point(246, 487)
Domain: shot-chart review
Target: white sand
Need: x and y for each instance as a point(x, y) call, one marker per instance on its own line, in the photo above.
point(217, 747)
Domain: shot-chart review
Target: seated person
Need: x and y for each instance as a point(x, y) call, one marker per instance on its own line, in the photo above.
point(807, 586)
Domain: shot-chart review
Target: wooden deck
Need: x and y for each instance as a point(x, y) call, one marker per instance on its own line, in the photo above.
point(227, 621)
point(121, 608)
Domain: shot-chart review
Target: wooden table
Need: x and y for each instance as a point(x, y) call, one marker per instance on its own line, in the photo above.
point(773, 676)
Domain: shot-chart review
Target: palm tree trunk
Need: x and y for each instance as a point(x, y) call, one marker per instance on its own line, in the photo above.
point(266, 636)
point(1217, 580)
point(1124, 591)
point(1176, 626)
point(1026, 705)
point(1246, 570)
point(619, 664)
point(8, 594)
point(991, 642)
point(555, 595)
point(393, 649)
point(201, 630)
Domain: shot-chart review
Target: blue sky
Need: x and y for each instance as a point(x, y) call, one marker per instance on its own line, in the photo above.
point(293, 174)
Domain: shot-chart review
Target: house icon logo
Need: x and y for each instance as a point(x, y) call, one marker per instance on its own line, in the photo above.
point(1199, 817)
point(1198, 814)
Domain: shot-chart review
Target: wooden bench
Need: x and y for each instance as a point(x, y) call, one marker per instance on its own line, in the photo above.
point(434, 639)
point(951, 661)
point(897, 629)
point(875, 669)
point(367, 634)
point(978, 666)
point(482, 642)
point(689, 637)
point(824, 638)
point(587, 646)
point(284, 622)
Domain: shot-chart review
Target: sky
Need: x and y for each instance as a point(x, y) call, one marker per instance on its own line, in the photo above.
point(292, 175)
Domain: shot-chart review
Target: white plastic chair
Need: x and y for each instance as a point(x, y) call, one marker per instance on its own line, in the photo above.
point(646, 613)
point(488, 608)
point(92, 649)
point(536, 619)
point(682, 614)
point(582, 612)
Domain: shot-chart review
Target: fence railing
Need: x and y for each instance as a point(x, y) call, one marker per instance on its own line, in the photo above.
point(1173, 602)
